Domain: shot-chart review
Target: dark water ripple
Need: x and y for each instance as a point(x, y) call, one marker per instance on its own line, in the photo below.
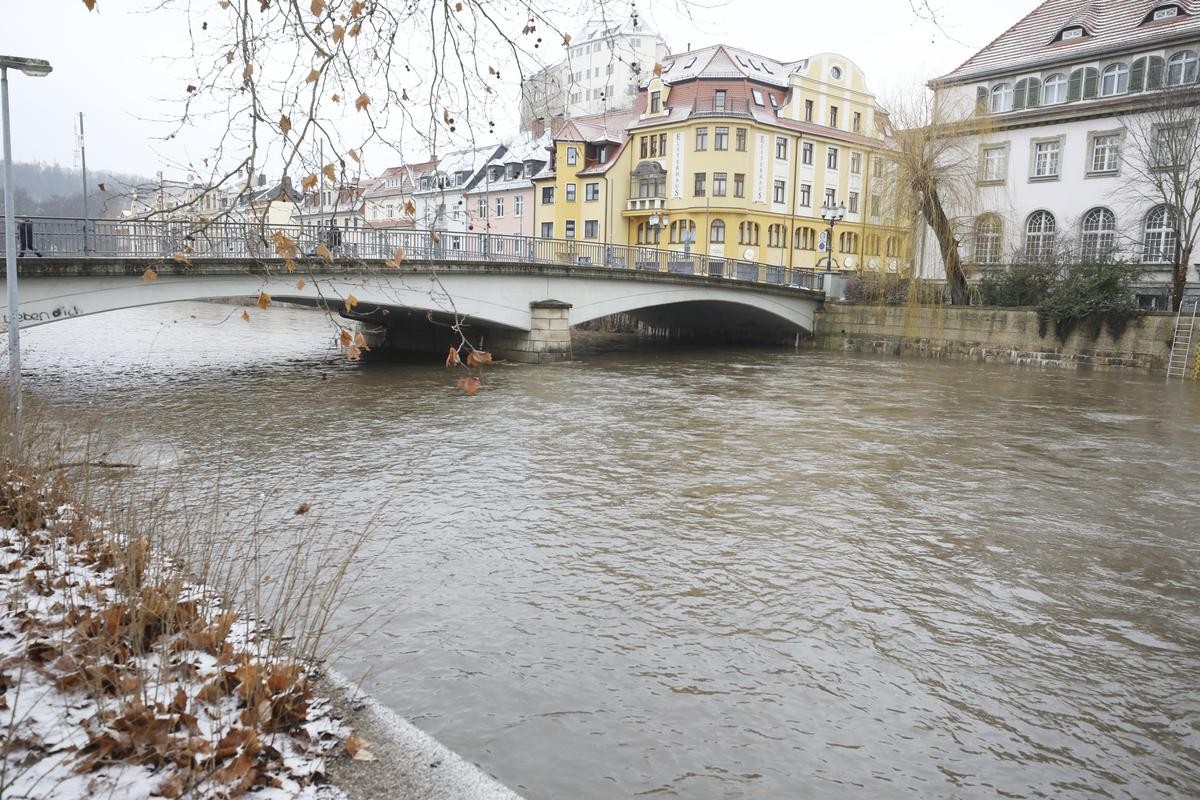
point(718, 574)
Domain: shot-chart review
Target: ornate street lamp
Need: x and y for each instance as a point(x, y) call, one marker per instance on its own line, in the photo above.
point(832, 214)
point(35, 68)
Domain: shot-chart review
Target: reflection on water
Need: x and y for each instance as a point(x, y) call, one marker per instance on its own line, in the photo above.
point(718, 573)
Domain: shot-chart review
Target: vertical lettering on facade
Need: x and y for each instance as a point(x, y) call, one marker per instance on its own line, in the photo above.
point(677, 166)
point(760, 168)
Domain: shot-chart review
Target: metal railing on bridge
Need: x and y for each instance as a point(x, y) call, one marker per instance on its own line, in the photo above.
point(163, 238)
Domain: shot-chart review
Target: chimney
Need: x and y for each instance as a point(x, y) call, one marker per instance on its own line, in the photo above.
point(539, 127)
point(262, 179)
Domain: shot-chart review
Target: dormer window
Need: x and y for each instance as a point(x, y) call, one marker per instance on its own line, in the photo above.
point(1161, 13)
point(1074, 32)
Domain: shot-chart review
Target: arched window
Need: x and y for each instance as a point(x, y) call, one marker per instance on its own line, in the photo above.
point(1039, 236)
point(674, 236)
point(1159, 241)
point(848, 242)
point(641, 236)
point(1028, 94)
point(1114, 80)
point(989, 237)
point(805, 239)
point(1181, 68)
point(747, 233)
point(716, 233)
point(893, 247)
point(1099, 234)
point(1054, 90)
point(1002, 98)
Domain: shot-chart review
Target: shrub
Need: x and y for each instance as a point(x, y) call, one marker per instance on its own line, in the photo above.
point(1092, 294)
point(879, 288)
point(1018, 285)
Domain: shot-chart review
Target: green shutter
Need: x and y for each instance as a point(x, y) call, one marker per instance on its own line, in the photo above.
point(1137, 75)
point(1091, 83)
point(1033, 97)
point(1075, 86)
point(1154, 73)
point(1019, 94)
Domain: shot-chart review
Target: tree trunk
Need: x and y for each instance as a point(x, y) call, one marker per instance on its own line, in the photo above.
point(1179, 275)
point(936, 217)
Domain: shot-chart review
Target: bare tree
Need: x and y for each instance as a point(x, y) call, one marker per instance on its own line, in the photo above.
point(1162, 153)
point(932, 176)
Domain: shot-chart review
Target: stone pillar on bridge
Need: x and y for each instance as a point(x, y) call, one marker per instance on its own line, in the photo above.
point(548, 340)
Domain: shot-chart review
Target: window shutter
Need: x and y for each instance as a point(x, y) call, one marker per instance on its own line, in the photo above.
point(981, 99)
point(1091, 83)
point(1137, 75)
point(1019, 94)
point(1154, 72)
point(1075, 86)
point(1033, 97)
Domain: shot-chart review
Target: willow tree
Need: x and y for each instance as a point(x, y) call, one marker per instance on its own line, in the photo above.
point(1162, 156)
point(931, 179)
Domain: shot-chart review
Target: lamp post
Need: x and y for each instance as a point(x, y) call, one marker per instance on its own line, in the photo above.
point(832, 214)
point(36, 68)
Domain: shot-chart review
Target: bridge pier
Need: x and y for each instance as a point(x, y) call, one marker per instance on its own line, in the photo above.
point(548, 339)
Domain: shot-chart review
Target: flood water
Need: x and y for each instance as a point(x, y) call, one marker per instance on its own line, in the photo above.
point(717, 573)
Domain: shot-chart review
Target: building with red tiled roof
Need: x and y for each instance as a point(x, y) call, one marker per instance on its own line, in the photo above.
point(1067, 100)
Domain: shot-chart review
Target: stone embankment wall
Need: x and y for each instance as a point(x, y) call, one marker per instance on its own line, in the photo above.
point(1007, 335)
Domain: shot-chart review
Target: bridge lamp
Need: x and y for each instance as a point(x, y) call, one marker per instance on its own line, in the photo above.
point(35, 68)
point(832, 214)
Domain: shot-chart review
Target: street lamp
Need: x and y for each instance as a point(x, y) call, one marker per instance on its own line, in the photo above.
point(832, 214)
point(35, 68)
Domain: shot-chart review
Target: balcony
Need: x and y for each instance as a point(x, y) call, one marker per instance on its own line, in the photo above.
point(646, 203)
point(712, 107)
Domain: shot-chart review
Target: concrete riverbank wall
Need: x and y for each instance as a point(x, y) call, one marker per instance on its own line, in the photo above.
point(1006, 335)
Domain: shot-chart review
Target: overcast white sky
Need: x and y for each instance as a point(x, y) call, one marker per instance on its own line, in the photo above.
point(116, 67)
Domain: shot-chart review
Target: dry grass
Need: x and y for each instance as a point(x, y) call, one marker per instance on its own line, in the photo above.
point(151, 635)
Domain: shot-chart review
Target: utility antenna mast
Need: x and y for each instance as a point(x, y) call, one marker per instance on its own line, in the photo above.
point(81, 156)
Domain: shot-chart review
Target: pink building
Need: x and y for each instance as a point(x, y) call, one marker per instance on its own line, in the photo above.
point(501, 201)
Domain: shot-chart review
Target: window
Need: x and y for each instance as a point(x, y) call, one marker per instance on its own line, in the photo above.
point(1002, 98)
point(1070, 33)
point(518, 206)
point(655, 102)
point(1054, 90)
point(808, 110)
point(777, 236)
point(740, 140)
point(547, 195)
point(701, 138)
point(1181, 68)
point(852, 203)
point(1165, 12)
point(856, 163)
point(570, 230)
point(1027, 94)
point(831, 158)
point(780, 194)
point(739, 184)
point(876, 205)
point(591, 229)
point(806, 195)
point(1114, 79)
point(848, 242)
point(877, 168)
point(805, 239)
point(1099, 233)
point(833, 116)
point(698, 187)
point(857, 124)
point(1046, 159)
point(1172, 145)
point(893, 246)
point(570, 193)
point(547, 230)
point(993, 164)
point(758, 96)
point(719, 102)
point(662, 144)
point(1159, 241)
point(1106, 152)
point(747, 233)
point(482, 208)
point(716, 232)
point(719, 180)
point(806, 153)
point(781, 147)
point(499, 206)
point(645, 147)
point(572, 155)
point(1039, 236)
point(591, 191)
point(830, 197)
point(721, 139)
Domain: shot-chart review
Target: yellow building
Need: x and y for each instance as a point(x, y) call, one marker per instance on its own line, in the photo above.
point(733, 155)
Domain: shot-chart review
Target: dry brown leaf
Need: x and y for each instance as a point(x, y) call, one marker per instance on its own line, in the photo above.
point(291, 267)
point(330, 173)
point(458, 6)
point(339, 33)
point(318, 7)
point(357, 7)
point(355, 30)
point(452, 359)
point(410, 208)
point(91, 4)
point(345, 338)
point(181, 258)
point(657, 69)
point(149, 275)
point(229, 57)
point(304, 508)
point(313, 75)
point(324, 253)
point(224, 4)
point(264, 300)
point(353, 353)
point(566, 39)
point(337, 98)
point(285, 124)
point(354, 154)
point(360, 342)
point(299, 283)
point(395, 260)
point(477, 358)
point(102, 188)
point(308, 182)
point(191, 87)
point(245, 316)
point(350, 302)
point(469, 384)
point(436, 237)
point(362, 102)
point(356, 748)
point(248, 71)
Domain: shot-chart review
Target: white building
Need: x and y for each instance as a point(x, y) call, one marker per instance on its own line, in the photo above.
point(606, 63)
point(1061, 97)
point(439, 196)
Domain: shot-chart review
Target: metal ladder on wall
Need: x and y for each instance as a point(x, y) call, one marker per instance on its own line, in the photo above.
point(1181, 342)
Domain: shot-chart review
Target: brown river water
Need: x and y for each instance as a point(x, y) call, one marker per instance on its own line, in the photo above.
point(716, 573)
